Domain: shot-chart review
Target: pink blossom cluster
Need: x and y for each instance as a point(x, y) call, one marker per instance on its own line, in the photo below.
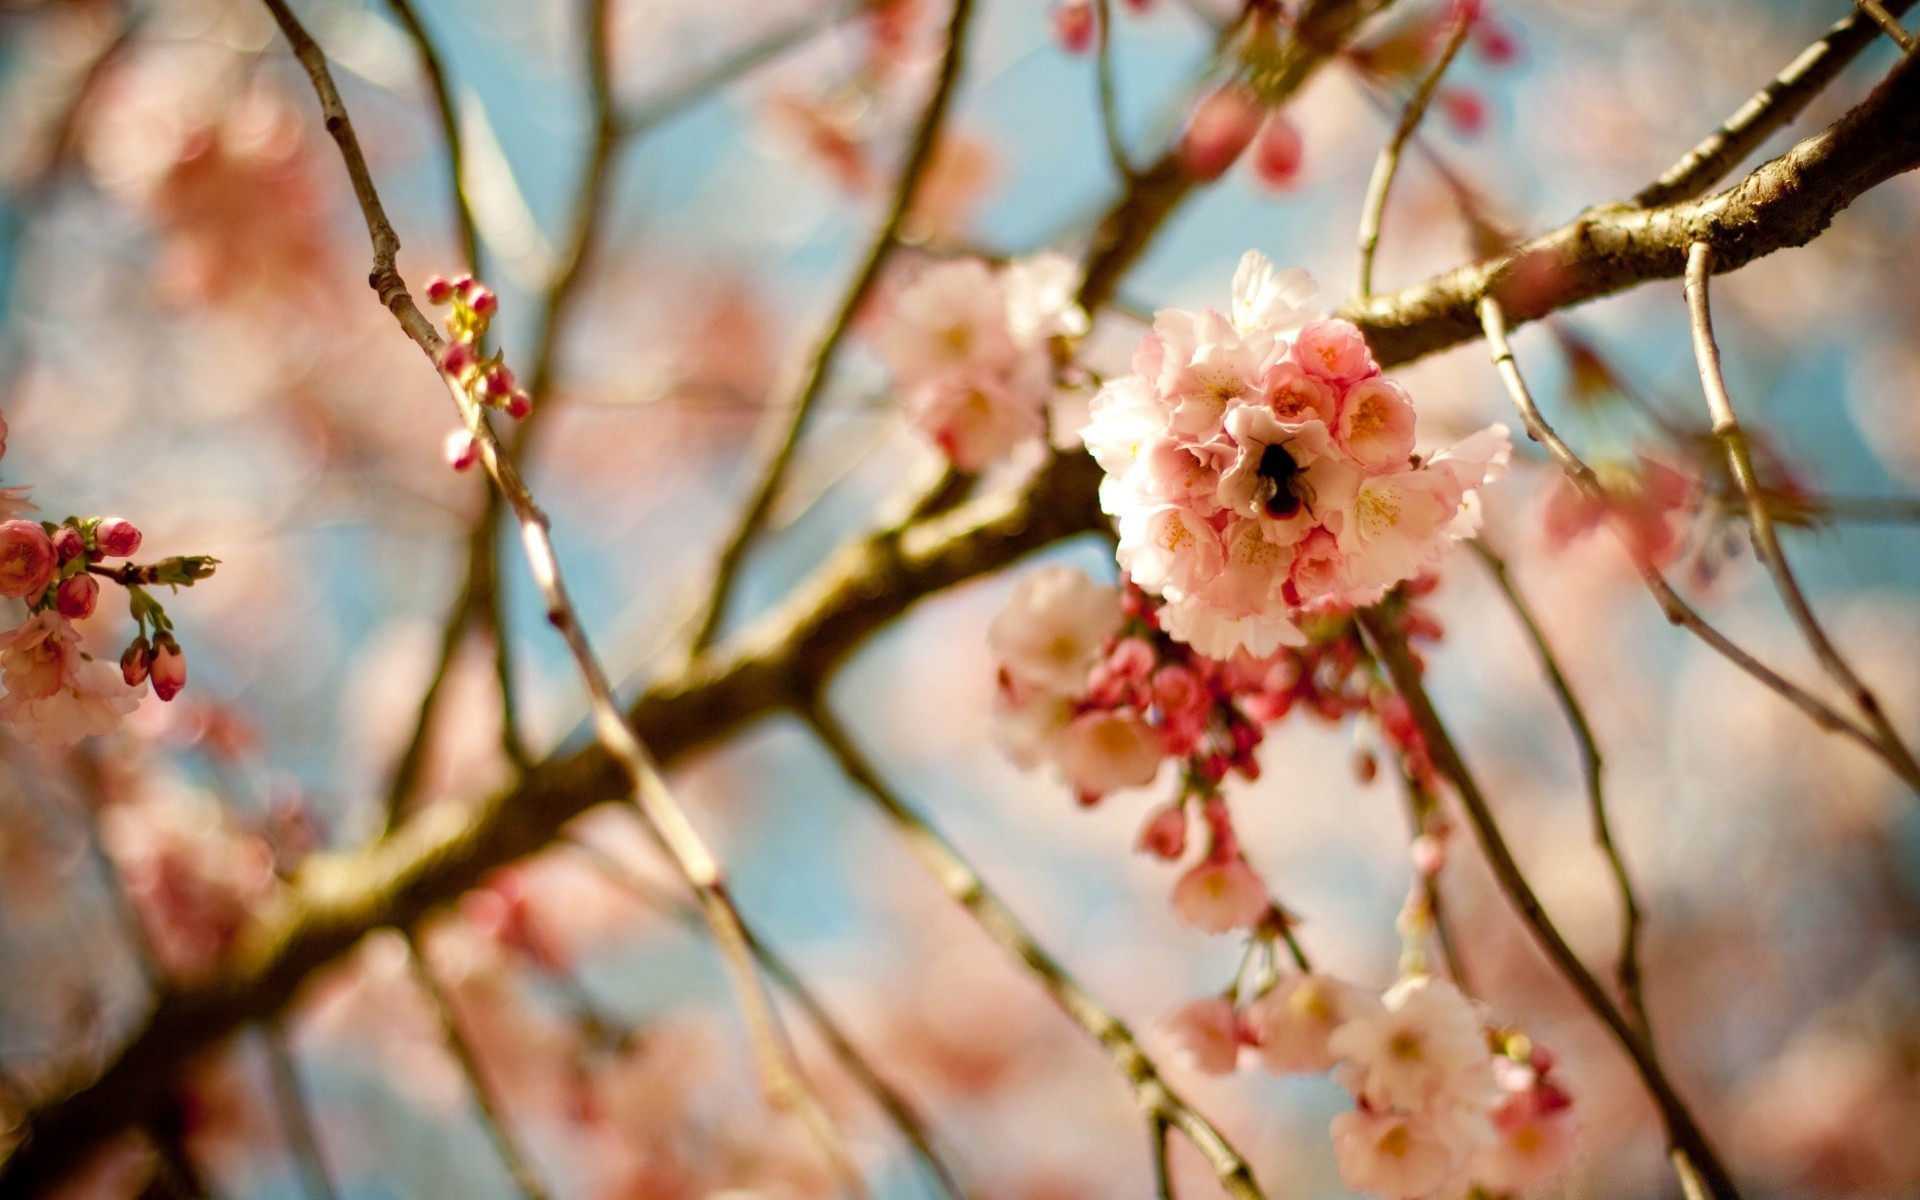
point(971, 351)
point(486, 379)
point(1091, 683)
point(1436, 1111)
point(1260, 468)
point(54, 693)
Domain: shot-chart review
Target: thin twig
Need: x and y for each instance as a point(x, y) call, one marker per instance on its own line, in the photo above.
point(663, 816)
point(1109, 104)
point(1884, 19)
point(906, 1118)
point(1162, 1165)
point(1764, 112)
point(296, 1118)
point(492, 1118)
point(1374, 208)
point(1766, 542)
point(963, 883)
point(1676, 610)
point(814, 373)
point(1627, 966)
point(1682, 1130)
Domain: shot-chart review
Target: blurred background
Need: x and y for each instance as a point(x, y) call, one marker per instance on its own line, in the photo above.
point(186, 339)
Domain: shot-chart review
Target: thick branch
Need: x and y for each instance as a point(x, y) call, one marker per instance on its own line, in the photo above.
point(1786, 202)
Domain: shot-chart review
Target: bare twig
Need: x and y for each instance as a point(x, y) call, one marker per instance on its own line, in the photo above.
point(1627, 966)
point(963, 883)
point(295, 1116)
point(1676, 610)
point(1884, 19)
point(1766, 542)
point(1157, 1130)
point(492, 1118)
point(1388, 164)
point(663, 816)
point(1766, 111)
point(1109, 104)
point(906, 1118)
point(1682, 1129)
point(787, 431)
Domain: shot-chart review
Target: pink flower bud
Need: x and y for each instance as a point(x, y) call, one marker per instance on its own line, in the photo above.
point(26, 559)
point(461, 284)
point(1277, 153)
point(116, 537)
point(76, 596)
point(68, 544)
point(1496, 44)
point(497, 383)
point(1218, 130)
point(1073, 25)
point(136, 662)
point(1466, 111)
point(1165, 833)
point(462, 450)
point(519, 405)
point(456, 358)
point(482, 301)
point(169, 668)
point(439, 291)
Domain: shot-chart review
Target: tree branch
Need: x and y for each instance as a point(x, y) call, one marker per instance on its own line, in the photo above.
point(1766, 111)
point(1783, 203)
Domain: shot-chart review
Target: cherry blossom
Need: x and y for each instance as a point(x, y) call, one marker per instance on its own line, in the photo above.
point(1421, 1048)
point(1290, 1025)
point(1206, 1034)
point(1259, 468)
point(969, 350)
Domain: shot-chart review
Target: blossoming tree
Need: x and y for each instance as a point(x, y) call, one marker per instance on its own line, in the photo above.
point(1285, 614)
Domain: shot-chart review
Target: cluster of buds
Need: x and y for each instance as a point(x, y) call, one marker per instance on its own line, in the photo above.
point(58, 569)
point(1091, 682)
point(485, 378)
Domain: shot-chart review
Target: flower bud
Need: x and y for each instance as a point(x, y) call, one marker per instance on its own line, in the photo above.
point(1073, 25)
point(439, 291)
point(482, 301)
point(519, 404)
point(169, 671)
point(26, 559)
point(1218, 130)
point(116, 537)
point(1277, 152)
point(1165, 834)
point(456, 358)
point(136, 662)
point(462, 450)
point(68, 544)
point(76, 596)
point(497, 383)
